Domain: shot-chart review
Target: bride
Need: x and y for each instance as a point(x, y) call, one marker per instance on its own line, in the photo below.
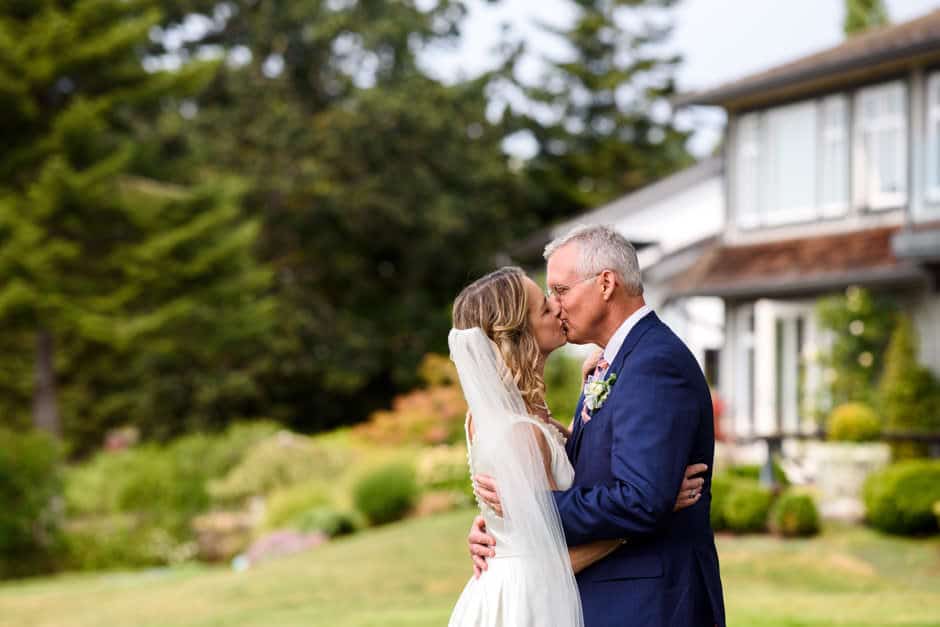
point(504, 329)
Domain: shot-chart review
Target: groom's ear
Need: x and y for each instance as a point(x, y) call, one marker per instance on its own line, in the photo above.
point(608, 283)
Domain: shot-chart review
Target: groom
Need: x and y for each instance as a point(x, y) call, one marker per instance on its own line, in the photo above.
point(631, 440)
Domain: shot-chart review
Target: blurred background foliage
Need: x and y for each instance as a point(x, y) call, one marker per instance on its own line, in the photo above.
point(217, 211)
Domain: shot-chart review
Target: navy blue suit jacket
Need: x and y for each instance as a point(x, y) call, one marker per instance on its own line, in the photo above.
point(629, 462)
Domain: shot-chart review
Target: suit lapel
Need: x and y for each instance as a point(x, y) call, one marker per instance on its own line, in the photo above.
point(633, 337)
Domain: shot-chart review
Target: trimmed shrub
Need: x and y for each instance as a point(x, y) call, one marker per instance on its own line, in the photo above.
point(853, 422)
point(900, 498)
point(326, 520)
point(286, 505)
point(721, 488)
point(747, 506)
point(794, 514)
point(30, 487)
point(386, 494)
point(752, 472)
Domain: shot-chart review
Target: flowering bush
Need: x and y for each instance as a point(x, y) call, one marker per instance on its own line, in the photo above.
point(445, 468)
point(860, 324)
point(431, 415)
point(282, 460)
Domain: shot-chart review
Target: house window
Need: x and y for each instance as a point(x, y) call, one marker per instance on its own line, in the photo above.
point(933, 137)
point(791, 163)
point(834, 156)
point(881, 139)
point(747, 199)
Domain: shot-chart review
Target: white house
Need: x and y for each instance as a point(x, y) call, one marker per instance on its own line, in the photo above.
point(831, 179)
point(671, 223)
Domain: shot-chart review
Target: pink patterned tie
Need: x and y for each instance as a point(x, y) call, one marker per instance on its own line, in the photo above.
point(599, 371)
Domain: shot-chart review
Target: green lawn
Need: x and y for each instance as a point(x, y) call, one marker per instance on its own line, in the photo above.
point(410, 574)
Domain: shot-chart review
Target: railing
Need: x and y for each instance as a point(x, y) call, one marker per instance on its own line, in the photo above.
point(775, 446)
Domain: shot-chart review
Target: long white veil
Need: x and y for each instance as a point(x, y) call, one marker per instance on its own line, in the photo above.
point(503, 432)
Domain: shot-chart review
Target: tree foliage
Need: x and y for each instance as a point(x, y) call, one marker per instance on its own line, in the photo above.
point(600, 116)
point(139, 294)
point(863, 15)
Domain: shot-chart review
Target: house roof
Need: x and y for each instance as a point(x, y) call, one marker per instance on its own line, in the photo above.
point(798, 266)
point(645, 196)
point(859, 58)
point(625, 205)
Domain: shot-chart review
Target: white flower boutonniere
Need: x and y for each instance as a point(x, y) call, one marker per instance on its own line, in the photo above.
point(596, 392)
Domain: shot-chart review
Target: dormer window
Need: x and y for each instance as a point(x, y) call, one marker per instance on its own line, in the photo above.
point(793, 162)
point(881, 146)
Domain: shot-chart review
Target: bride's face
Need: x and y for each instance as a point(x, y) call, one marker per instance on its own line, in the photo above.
point(543, 319)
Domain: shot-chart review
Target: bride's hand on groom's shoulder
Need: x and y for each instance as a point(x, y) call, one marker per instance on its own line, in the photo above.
point(481, 546)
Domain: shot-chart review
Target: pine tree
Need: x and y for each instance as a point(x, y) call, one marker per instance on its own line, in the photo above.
point(862, 15)
point(105, 274)
point(613, 130)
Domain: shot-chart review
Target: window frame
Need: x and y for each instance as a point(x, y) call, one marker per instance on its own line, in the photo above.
point(866, 197)
point(932, 152)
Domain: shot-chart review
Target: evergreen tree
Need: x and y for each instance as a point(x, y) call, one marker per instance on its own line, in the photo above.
point(909, 393)
point(610, 127)
point(108, 276)
point(381, 191)
point(862, 15)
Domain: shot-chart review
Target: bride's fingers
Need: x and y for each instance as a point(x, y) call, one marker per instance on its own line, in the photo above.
point(695, 469)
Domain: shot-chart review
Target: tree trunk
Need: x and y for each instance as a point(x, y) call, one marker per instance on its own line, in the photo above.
point(45, 409)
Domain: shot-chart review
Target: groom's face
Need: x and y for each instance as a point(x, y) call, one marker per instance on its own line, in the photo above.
point(579, 298)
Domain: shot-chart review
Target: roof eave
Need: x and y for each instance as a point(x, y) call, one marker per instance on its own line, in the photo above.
point(899, 276)
point(726, 97)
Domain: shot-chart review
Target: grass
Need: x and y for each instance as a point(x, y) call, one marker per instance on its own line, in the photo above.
point(411, 573)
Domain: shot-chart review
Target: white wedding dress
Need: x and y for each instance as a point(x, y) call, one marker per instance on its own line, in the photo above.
point(530, 582)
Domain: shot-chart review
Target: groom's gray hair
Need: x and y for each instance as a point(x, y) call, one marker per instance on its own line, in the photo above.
point(602, 248)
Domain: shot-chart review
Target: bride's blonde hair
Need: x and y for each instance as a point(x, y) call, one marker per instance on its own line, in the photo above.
point(499, 305)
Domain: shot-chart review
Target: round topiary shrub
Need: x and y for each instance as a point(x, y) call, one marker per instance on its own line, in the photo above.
point(746, 507)
point(794, 514)
point(900, 498)
point(720, 489)
point(854, 422)
point(387, 493)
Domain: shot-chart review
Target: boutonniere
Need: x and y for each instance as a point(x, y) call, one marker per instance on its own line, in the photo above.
point(596, 392)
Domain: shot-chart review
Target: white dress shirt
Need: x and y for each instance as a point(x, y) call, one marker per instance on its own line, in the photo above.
point(616, 340)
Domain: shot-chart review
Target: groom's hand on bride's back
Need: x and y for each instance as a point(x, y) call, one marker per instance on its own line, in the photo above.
point(481, 546)
point(689, 492)
point(484, 486)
